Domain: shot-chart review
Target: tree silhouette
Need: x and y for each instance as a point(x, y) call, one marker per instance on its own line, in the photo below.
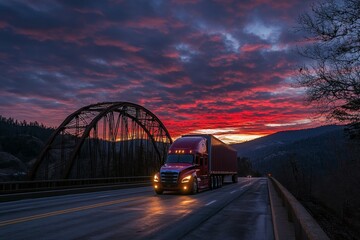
point(332, 46)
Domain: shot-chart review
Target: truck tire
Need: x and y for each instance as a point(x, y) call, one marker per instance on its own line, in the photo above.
point(216, 181)
point(159, 191)
point(235, 178)
point(212, 184)
point(194, 188)
point(220, 181)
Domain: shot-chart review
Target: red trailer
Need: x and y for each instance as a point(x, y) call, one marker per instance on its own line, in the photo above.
point(196, 162)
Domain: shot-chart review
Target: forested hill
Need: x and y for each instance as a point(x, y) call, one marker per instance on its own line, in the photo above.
point(320, 166)
point(20, 144)
point(282, 139)
point(10, 127)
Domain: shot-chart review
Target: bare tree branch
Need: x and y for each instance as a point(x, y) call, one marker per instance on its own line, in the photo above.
point(332, 76)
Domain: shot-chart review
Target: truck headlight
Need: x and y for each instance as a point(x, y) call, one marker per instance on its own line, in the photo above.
point(186, 179)
point(156, 178)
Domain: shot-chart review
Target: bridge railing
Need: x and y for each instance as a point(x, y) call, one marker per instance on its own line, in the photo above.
point(41, 185)
point(305, 225)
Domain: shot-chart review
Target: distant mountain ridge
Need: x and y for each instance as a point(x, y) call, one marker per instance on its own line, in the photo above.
point(282, 138)
point(321, 150)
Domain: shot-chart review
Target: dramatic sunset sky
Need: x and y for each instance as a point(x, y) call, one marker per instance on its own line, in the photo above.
point(209, 66)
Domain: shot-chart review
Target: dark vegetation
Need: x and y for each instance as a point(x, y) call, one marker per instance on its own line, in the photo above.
point(321, 167)
point(331, 75)
point(323, 171)
point(20, 144)
point(245, 168)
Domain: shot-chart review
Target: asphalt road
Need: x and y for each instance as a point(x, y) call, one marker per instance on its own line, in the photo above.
point(235, 211)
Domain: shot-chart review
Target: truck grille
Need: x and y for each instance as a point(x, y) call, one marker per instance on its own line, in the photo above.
point(169, 177)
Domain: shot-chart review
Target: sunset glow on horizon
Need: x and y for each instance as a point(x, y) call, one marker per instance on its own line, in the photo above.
point(226, 67)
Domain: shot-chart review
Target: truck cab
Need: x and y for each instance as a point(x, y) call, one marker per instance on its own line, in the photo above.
point(186, 167)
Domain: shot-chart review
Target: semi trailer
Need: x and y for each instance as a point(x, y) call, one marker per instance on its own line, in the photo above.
point(195, 163)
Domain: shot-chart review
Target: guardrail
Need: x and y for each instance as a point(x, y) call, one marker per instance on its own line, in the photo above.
point(305, 225)
point(42, 185)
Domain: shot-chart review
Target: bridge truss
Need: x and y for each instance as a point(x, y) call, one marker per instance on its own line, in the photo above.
point(103, 140)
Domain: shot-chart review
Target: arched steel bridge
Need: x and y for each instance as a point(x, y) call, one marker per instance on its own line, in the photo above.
point(110, 139)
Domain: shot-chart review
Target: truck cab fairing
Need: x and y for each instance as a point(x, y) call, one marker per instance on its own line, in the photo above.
point(189, 145)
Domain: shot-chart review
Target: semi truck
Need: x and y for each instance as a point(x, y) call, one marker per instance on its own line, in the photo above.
point(195, 163)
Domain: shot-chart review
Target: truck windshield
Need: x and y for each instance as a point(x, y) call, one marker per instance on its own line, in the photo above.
point(177, 158)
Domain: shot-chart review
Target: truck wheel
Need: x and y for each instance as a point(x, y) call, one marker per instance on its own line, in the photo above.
point(212, 182)
point(235, 178)
point(194, 188)
point(216, 181)
point(159, 191)
point(220, 181)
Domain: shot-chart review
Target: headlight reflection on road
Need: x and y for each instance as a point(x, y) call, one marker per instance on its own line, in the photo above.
point(161, 210)
point(188, 202)
point(155, 206)
point(173, 205)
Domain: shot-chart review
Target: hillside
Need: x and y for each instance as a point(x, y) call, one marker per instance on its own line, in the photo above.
point(282, 139)
point(20, 144)
point(320, 166)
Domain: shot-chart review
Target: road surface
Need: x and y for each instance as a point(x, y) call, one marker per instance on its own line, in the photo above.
point(235, 211)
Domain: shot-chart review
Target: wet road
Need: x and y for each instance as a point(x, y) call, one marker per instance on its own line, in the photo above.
point(235, 211)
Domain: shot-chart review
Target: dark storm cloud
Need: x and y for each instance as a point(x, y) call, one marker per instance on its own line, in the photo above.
point(186, 60)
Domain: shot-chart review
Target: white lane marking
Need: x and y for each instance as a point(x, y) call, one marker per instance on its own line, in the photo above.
point(209, 203)
point(245, 185)
point(233, 191)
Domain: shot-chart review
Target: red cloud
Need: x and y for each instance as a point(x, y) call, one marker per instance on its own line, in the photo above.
point(171, 54)
point(254, 47)
point(223, 60)
point(89, 11)
point(51, 34)
point(3, 24)
point(172, 57)
point(162, 70)
point(184, 2)
point(117, 43)
point(159, 24)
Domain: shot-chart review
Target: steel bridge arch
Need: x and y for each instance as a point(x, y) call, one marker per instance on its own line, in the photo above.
point(63, 155)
